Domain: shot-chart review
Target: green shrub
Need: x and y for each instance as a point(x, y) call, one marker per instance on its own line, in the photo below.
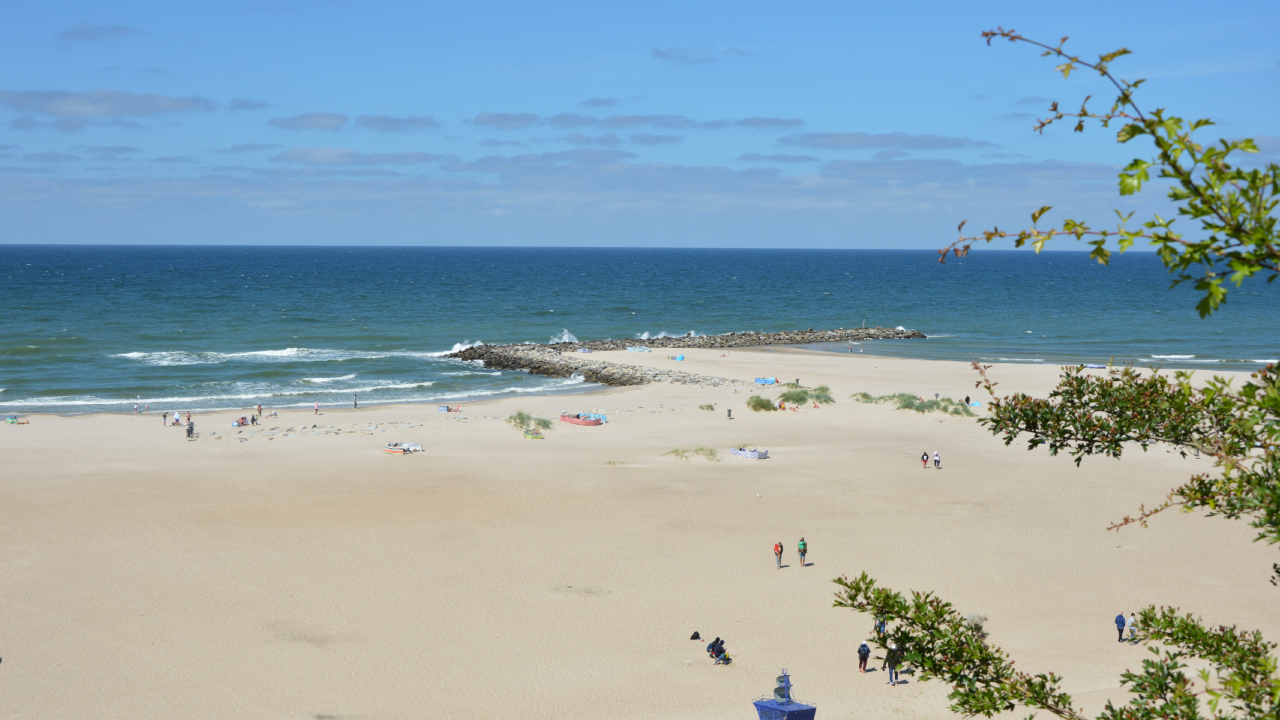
point(759, 404)
point(682, 454)
point(907, 401)
point(822, 394)
point(522, 420)
point(795, 397)
point(709, 406)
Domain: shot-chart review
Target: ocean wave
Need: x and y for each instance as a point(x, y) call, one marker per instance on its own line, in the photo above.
point(564, 337)
point(182, 357)
point(329, 379)
point(457, 347)
point(1272, 360)
point(1173, 357)
point(664, 334)
point(1004, 359)
point(225, 401)
point(1181, 359)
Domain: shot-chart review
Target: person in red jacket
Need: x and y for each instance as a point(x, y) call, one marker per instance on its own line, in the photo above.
point(777, 553)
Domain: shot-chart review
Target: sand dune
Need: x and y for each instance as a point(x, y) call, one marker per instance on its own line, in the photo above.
point(307, 574)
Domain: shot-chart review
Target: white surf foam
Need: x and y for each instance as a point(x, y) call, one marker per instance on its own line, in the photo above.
point(663, 334)
point(457, 347)
point(1173, 357)
point(329, 379)
point(564, 337)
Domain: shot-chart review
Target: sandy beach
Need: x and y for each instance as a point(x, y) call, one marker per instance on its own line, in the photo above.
point(301, 572)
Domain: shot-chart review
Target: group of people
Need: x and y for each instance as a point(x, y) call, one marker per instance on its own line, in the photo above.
point(716, 651)
point(177, 419)
point(937, 460)
point(1129, 626)
point(892, 659)
point(802, 549)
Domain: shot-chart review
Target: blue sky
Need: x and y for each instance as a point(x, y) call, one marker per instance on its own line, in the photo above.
point(744, 124)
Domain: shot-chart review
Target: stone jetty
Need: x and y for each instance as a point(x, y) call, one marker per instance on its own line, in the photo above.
point(564, 360)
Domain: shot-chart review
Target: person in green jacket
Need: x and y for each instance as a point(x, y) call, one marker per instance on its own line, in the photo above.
point(802, 548)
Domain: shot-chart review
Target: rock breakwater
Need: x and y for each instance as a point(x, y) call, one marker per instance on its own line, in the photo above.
point(564, 360)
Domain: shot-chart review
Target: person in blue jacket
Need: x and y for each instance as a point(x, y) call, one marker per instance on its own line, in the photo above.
point(1120, 627)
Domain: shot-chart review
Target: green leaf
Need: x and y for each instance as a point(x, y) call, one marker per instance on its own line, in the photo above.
point(1035, 216)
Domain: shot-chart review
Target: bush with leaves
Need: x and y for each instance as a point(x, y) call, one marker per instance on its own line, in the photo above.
point(1123, 408)
point(907, 401)
point(522, 420)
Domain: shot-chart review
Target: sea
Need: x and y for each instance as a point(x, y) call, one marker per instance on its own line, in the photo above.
point(88, 328)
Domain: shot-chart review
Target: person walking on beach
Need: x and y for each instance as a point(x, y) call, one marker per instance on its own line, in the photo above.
point(1120, 627)
point(777, 553)
point(924, 460)
point(937, 460)
point(355, 401)
point(892, 659)
point(188, 417)
point(864, 652)
point(1132, 626)
point(135, 407)
point(317, 407)
point(803, 549)
point(164, 419)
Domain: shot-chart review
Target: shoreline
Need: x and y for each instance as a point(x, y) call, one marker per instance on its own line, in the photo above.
point(588, 388)
point(316, 575)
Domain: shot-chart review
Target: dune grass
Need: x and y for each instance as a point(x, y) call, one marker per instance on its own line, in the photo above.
point(708, 406)
point(907, 401)
point(614, 463)
point(801, 396)
point(686, 455)
point(760, 404)
point(522, 420)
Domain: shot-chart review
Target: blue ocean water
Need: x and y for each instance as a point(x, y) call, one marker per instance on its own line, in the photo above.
point(98, 328)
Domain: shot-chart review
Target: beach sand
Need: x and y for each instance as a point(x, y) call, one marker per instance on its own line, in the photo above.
point(309, 575)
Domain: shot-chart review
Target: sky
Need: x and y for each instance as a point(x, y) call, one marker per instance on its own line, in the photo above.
point(714, 124)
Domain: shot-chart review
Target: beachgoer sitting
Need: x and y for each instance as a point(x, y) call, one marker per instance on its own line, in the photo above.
point(723, 658)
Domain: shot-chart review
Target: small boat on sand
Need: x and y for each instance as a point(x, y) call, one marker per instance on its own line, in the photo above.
point(581, 419)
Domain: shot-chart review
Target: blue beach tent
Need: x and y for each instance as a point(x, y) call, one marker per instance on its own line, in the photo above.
point(782, 706)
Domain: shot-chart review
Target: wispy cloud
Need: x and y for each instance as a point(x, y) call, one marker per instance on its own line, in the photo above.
point(502, 143)
point(100, 103)
point(389, 124)
point(892, 154)
point(248, 148)
point(648, 139)
point(572, 120)
point(241, 104)
point(311, 121)
point(85, 32)
point(605, 140)
point(768, 123)
point(669, 122)
point(697, 55)
point(172, 159)
point(505, 121)
point(110, 153)
point(113, 149)
point(1033, 101)
point(902, 141)
point(778, 157)
point(51, 157)
point(345, 156)
point(599, 102)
